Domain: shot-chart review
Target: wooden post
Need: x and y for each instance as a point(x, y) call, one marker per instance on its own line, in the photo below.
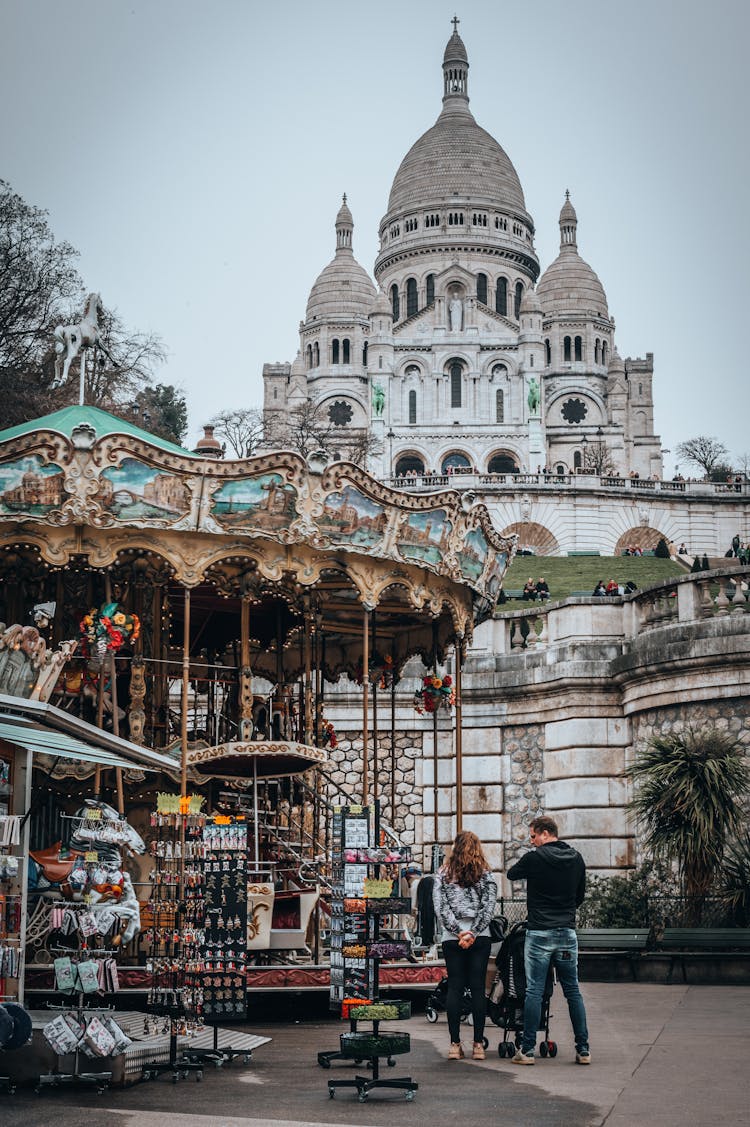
point(365, 702)
point(393, 750)
point(435, 837)
point(459, 739)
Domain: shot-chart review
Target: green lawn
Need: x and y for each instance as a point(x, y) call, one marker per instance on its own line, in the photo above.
point(566, 574)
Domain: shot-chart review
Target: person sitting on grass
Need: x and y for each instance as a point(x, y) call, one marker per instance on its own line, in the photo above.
point(529, 591)
point(542, 590)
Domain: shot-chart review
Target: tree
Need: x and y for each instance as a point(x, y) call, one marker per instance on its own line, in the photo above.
point(242, 428)
point(597, 459)
point(39, 284)
point(306, 429)
point(704, 452)
point(40, 288)
point(162, 410)
point(689, 787)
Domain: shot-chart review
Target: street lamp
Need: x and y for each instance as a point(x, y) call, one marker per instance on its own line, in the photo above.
point(390, 436)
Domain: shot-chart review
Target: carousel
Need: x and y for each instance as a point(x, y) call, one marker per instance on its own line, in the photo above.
point(206, 611)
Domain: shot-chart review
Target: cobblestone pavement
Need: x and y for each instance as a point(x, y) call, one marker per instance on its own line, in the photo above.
point(668, 1055)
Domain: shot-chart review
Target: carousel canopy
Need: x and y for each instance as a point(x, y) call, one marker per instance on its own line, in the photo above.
point(260, 759)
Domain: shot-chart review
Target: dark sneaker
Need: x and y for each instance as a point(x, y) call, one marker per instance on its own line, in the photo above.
point(583, 1055)
point(523, 1058)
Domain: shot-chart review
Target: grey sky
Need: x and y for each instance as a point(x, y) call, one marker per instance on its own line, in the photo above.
point(196, 153)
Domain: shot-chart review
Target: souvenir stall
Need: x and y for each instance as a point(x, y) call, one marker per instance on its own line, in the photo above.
point(205, 608)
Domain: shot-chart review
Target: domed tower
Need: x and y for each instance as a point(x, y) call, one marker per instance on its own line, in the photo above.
point(332, 362)
point(456, 258)
point(577, 341)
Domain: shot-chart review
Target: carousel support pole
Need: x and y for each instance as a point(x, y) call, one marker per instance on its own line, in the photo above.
point(459, 738)
point(82, 380)
point(308, 731)
point(393, 749)
point(435, 788)
point(365, 703)
point(110, 660)
point(256, 827)
point(246, 675)
point(375, 765)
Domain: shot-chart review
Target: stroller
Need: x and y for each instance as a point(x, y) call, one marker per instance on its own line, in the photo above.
point(506, 998)
point(437, 1000)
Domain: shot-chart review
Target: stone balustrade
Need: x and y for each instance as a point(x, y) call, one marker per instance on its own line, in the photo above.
point(490, 482)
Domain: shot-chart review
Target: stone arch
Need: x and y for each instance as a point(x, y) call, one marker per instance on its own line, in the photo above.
point(409, 462)
point(503, 461)
point(533, 537)
point(643, 536)
point(458, 460)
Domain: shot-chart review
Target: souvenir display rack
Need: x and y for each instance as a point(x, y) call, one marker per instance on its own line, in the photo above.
point(364, 875)
point(174, 942)
point(219, 976)
point(83, 968)
point(11, 897)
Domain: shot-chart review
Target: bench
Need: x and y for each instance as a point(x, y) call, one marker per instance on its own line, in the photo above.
point(626, 941)
point(697, 942)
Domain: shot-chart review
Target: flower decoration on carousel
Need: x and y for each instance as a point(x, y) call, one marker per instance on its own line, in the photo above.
point(328, 734)
point(380, 670)
point(107, 630)
point(435, 693)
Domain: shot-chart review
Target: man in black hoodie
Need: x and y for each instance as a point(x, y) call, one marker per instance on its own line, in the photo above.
point(555, 876)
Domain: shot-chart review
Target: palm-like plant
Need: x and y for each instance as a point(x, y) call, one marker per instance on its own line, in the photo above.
point(735, 885)
point(689, 788)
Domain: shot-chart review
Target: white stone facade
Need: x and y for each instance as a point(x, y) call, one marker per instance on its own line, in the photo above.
point(457, 333)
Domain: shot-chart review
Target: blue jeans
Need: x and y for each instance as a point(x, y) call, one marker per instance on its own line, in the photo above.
point(558, 946)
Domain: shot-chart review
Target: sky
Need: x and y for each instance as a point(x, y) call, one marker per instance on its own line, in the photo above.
point(196, 154)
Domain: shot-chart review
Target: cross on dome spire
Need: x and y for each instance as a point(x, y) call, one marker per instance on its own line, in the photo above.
point(455, 21)
point(455, 70)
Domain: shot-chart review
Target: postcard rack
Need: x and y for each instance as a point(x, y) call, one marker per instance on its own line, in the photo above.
point(365, 874)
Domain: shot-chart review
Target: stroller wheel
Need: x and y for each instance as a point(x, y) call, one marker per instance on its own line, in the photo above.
point(552, 1048)
point(431, 1014)
point(543, 1049)
point(486, 1042)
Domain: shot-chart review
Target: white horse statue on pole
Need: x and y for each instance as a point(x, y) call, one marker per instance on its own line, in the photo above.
point(70, 339)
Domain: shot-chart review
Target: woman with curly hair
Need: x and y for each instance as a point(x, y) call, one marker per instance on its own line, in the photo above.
point(464, 895)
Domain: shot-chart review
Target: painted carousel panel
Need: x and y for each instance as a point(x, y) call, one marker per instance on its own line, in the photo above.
point(136, 491)
point(425, 537)
point(264, 503)
point(349, 517)
point(28, 485)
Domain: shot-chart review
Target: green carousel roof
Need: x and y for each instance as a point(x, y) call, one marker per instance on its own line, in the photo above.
point(68, 418)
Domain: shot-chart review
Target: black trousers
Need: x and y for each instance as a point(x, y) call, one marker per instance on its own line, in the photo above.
point(466, 967)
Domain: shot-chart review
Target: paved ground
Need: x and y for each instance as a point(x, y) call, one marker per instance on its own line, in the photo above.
point(675, 1056)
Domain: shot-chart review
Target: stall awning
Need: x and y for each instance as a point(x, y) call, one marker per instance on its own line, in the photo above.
point(20, 731)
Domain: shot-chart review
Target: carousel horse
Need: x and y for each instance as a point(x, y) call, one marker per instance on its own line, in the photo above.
point(70, 339)
point(104, 885)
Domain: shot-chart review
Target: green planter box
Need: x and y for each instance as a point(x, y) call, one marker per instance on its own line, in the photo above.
point(381, 1011)
point(363, 1045)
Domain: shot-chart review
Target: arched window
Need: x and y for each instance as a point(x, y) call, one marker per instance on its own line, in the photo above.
point(316, 355)
point(430, 288)
point(502, 463)
point(499, 406)
point(309, 356)
point(604, 352)
point(394, 302)
point(456, 382)
point(518, 300)
point(457, 463)
point(578, 348)
point(501, 296)
point(577, 460)
point(482, 288)
point(597, 351)
point(364, 355)
point(409, 464)
point(412, 407)
point(347, 352)
point(334, 351)
point(412, 305)
point(547, 352)
point(560, 470)
point(566, 349)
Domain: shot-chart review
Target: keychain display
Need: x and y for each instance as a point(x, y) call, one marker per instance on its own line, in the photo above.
point(224, 951)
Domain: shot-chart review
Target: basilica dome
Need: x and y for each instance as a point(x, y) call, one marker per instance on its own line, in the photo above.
point(569, 285)
point(343, 288)
point(456, 157)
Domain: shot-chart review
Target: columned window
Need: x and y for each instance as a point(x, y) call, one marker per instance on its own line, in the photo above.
point(347, 356)
point(501, 296)
point(412, 305)
point(578, 348)
point(334, 351)
point(518, 300)
point(412, 407)
point(482, 288)
point(456, 382)
point(499, 406)
point(566, 349)
point(394, 302)
point(430, 289)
